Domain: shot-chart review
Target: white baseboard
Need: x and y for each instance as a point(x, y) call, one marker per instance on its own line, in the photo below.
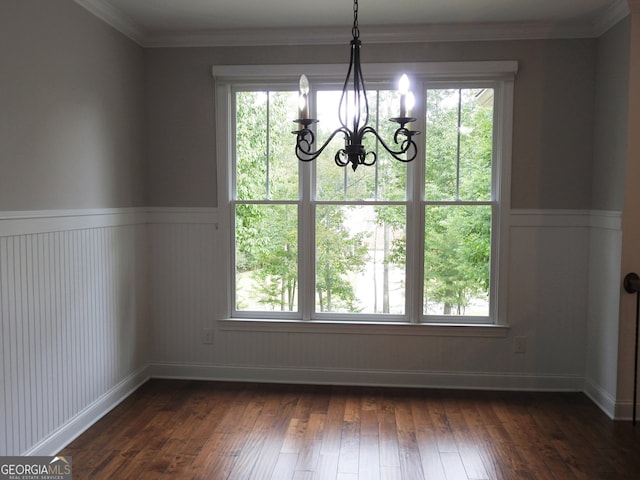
point(603, 399)
point(61, 437)
point(378, 378)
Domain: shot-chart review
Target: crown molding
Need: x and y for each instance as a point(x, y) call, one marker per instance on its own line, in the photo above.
point(250, 37)
point(115, 18)
point(376, 35)
point(372, 35)
point(612, 15)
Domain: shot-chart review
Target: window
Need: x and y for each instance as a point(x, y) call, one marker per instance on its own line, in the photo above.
point(418, 242)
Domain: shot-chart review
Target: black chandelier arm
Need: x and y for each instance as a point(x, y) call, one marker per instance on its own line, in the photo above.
point(345, 88)
point(344, 158)
point(303, 144)
point(354, 82)
point(406, 146)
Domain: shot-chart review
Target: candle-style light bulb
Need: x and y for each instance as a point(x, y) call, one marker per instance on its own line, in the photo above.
point(403, 84)
point(403, 87)
point(304, 84)
point(302, 105)
point(303, 102)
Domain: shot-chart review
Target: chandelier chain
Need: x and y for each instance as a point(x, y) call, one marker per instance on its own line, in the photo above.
point(355, 30)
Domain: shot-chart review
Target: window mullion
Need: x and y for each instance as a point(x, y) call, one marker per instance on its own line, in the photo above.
point(306, 236)
point(306, 232)
point(458, 144)
point(376, 165)
point(268, 147)
point(415, 219)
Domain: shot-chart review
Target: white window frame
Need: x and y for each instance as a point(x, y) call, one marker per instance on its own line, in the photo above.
point(498, 74)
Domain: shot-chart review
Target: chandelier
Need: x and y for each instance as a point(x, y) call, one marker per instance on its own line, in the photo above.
point(355, 125)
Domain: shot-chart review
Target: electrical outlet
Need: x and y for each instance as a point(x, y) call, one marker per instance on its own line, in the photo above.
point(207, 335)
point(520, 345)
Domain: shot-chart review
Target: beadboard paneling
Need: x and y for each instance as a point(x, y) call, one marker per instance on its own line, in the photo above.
point(184, 275)
point(547, 304)
point(602, 364)
point(92, 303)
point(72, 316)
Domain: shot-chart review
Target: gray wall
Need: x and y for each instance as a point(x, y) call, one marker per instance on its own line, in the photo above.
point(602, 366)
point(71, 90)
point(73, 285)
point(612, 98)
point(553, 113)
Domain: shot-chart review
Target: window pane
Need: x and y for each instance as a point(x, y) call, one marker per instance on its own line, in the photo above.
point(360, 259)
point(386, 180)
point(457, 259)
point(266, 166)
point(459, 142)
point(392, 174)
point(251, 145)
point(266, 270)
point(476, 144)
point(283, 163)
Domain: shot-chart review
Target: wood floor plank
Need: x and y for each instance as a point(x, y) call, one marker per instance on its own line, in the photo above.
point(469, 446)
point(453, 466)
point(432, 467)
point(533, 448)
point(310, 452)
point(285, 467)
point(390, 473)
point(410, 461)
point(102, 443)
point(349, 458)
point(205, 416)
point(347, 476)
point(332, 435)
point(298, 424)
point(233, 435)
point(389, 448)
point(438, 419)
point(477, 429)
point(369, 463)
point(260, 453)
point(230, 431)
point(327, 466)
point(575, 429)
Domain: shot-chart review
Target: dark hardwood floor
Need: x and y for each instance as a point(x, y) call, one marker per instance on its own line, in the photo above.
point(211, 430)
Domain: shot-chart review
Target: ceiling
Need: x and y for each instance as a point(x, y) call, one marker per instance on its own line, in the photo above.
point(211, 22)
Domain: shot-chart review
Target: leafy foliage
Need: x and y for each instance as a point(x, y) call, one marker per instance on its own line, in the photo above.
point(338, 253)
point(275, 271)
point(458, 169)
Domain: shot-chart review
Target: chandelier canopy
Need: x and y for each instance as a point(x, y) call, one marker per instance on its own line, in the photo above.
point(354, 118)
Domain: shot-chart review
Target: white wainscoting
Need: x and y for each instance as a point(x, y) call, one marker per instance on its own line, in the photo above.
point(184, 277)
point(92, 303)
point(595, 290)
point(547, 304)
point(74, 333)
point(602, 372)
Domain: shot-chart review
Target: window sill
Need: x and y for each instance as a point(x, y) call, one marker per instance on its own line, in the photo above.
point(364, 328)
